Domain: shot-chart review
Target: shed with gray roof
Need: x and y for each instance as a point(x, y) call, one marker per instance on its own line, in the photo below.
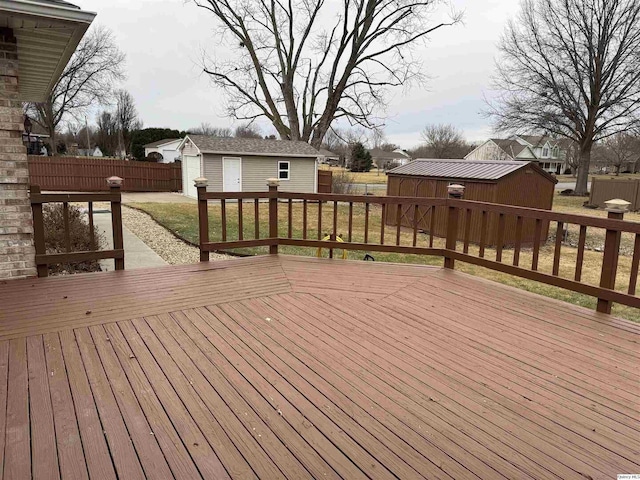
point(517, 183)
point(244, 164)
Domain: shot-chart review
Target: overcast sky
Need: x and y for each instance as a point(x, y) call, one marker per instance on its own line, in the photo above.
point(163, 40)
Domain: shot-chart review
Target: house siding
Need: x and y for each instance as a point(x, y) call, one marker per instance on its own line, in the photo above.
point(488, 151)
point(256, 170)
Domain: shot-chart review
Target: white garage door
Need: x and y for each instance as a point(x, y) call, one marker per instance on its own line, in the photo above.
point(169, 156)
point(190, 171)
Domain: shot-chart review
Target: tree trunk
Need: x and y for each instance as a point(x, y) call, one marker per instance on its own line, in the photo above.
point(583, 169)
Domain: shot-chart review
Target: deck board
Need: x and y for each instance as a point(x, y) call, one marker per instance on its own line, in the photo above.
point(288, 367)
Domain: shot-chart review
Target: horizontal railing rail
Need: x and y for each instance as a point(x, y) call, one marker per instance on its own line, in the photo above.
point(44, 258)
point(504, 238)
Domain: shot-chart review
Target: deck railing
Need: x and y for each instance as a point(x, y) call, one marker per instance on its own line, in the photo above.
point(44, 259)
point(462, 217)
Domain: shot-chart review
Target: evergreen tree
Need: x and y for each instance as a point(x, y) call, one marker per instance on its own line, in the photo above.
point(360, 158)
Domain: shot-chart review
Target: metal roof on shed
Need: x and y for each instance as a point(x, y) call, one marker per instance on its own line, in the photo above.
point(463, 169)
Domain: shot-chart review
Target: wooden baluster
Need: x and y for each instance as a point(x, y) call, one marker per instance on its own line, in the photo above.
point(240, 222)
point(366, 222)
point(320, 220)
point(350, 221)
point(273, 215)
point(536, 244)
point(453, 214)
point(516, 252)
point(67, 229)
point(432, 224)
point(38, 231)
point(256, 218)
point(635, 262)
point(467, 229)
point(304, 219)
point(415, 225)
point(116, 224)
point(399, 218)
point(203, 220)
point(383, 220)
point(290, 219)
point(500, 237)
point(92, 232)
point(223, 217)
point(335, 219)
point(580, 257)
point(483, 233)
point(556, 253)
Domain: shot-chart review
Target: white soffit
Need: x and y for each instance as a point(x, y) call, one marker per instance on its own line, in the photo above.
point(47, 33)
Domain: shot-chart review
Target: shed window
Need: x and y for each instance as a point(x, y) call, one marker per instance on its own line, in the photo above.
point(284, 170)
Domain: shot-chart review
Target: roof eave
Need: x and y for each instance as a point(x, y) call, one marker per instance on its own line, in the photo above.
point(261, 154)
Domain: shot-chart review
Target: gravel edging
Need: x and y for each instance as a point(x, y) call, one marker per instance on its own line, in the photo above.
point(165, 243)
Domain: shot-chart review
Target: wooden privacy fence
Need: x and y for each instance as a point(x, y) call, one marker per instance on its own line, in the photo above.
point(459, 215)
point(604, 189)
point(88, 174)
point(44, 259)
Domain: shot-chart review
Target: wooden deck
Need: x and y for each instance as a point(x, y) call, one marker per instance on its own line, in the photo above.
point(281, 367)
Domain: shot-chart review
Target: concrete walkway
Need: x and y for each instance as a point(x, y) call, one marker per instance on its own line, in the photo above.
point(136, 253)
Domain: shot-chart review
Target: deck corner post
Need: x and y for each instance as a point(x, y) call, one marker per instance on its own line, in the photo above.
point(203, 216)
point(273, 184)
point(616, 209)
point(38, 231)
point(115, 185)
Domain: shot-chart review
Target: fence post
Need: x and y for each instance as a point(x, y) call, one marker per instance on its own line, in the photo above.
point(115, 183)
point(203, 216)
point(38, 232)
point(616, 209)
point(455, 191)
point(273, 214)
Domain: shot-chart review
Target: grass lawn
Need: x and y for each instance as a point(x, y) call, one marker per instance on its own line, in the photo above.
point(361, 177)
point(183, 219)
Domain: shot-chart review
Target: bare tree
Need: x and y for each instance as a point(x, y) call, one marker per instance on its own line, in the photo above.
point(620, 150)
point(570, 67)
point(126, 119)
point(444, 141)
point(302, 76)
point(86, 81)
point(206, 128)
point(247, 131)
point(107, 133)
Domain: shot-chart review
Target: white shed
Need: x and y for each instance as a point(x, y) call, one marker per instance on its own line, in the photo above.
point(244, 164)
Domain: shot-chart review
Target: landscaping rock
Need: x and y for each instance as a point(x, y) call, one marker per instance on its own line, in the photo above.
point(173, 250)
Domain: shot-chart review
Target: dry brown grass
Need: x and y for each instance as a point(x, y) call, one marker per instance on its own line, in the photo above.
point(372, 177)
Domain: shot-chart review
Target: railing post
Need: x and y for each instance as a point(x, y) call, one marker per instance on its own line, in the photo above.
point(455, 191)
point(38, 232)
point(203, 216)
point(116, 218)
point(616, 209)
point(273, 214)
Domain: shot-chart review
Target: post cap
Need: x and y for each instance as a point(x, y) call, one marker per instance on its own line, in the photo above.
point(617, 205)
point(200, 182)
point(114, 181)
point(273, 182)
point(455, 190)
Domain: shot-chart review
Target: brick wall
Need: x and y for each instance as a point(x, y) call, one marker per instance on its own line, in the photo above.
point(17, 254)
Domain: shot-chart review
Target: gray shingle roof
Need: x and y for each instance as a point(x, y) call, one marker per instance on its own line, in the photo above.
point(253, 146)
point(160, 142)
point(510, 147)
point(379, 153)
point(463, 169)
point(60, 3)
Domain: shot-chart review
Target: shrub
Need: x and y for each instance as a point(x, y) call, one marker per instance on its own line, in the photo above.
point(54, 238)
point(361, 160)
point(342, 182)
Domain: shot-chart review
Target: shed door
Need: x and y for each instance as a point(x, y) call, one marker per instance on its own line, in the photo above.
point(231, 174)
point(190, 171)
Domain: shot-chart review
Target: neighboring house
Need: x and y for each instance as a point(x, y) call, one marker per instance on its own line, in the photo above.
point(549, 152)
point(328, 157)
point(165, 151)
point(90, 152)
point(382, 157)
point(244, 164)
